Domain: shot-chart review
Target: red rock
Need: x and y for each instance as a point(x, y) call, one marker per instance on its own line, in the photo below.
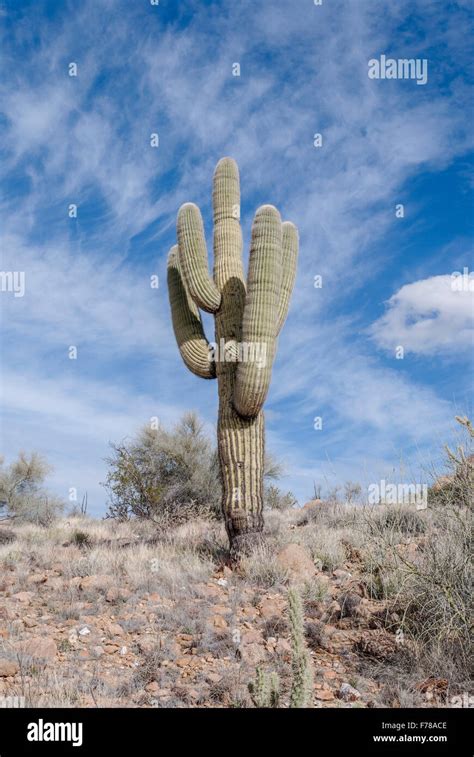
point(183, 662)
point(37, 578)
point(213, 678)
point(252, 637)
point(442, 483)
point(209, 591)
point(8, 668)
point(112, 594)
point(194, 694)
point(269, 608)
point(219, 622)
point(253, 653)
point(97, 583)
point(23, 596)
point(114, 629)
point(147, 644)
point(221, 610)
point(154, 597)
point(325, 695)
point(297, 561)
point(249, 612)
point(163, 692)
point(55, 583)
point(153, 687)
point(39, 647)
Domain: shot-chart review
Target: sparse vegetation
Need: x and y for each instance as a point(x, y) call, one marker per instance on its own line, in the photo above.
point(22, 492)
point(165, 476)
point(160, 619)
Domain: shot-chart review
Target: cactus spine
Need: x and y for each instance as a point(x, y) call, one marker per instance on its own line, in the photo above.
point(248, 317)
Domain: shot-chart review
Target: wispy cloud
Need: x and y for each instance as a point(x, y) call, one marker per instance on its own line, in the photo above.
point(86, 140)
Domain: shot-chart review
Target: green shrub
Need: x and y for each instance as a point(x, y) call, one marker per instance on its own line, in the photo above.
point(165, 476)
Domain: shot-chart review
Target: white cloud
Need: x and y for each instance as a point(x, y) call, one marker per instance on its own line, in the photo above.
point(428, 317)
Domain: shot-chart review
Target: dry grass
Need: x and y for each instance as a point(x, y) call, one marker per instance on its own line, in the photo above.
point(415, 564)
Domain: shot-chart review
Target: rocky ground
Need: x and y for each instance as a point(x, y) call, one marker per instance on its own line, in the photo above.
point(95, 613)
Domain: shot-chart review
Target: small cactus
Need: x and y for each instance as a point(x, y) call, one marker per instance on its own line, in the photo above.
point(302, 675)
point(249, 314)
point(265, 690)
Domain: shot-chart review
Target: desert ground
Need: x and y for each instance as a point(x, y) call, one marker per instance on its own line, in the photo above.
point(100, 613)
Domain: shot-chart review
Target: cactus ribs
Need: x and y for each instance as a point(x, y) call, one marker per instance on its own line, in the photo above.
point(249, 312)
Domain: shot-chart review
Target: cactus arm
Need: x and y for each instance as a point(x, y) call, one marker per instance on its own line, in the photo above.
point(193, 259)
point(288, 274)
point(228, 268)
point(260, 312)
point(187, 324)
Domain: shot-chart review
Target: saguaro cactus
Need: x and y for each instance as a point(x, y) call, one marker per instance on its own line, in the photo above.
point(248, 319)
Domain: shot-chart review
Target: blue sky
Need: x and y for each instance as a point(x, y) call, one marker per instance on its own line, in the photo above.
point(167, 69)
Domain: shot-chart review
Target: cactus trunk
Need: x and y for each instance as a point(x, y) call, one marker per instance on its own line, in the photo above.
point(248, 317)
point(240, 445)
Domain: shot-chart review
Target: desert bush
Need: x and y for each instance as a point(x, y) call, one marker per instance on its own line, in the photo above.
point(352, 491)
point(457, 487)
point(421, 563)
point(325, 546)
point(165, 476)
point(437, 590)
point(6, 536)
point(276, 499)
point(22, 492)
point(81, 539)
point(261, 568)
point(402, 520)
point(173, 476)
